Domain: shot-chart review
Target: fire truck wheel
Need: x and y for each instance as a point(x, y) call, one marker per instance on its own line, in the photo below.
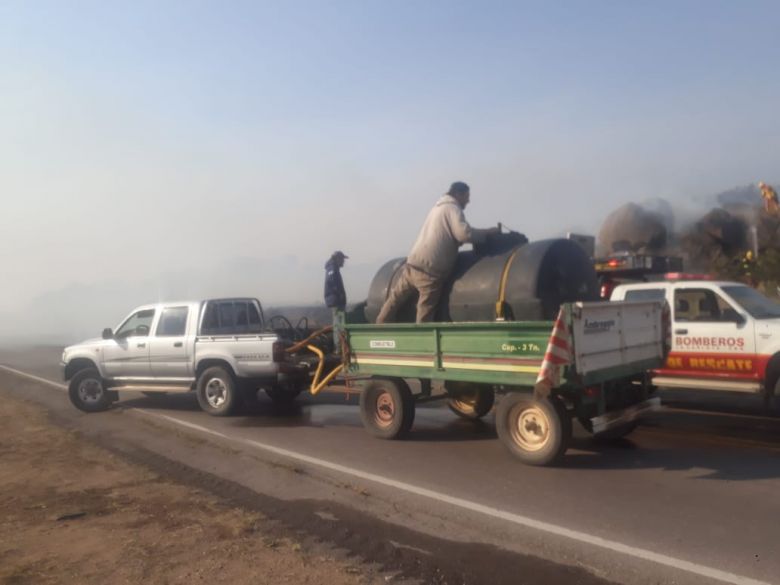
point(537, 432)
point(387, 408)
point(472, 401)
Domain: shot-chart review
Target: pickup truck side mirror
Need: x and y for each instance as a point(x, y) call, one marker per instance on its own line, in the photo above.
point(107, 333)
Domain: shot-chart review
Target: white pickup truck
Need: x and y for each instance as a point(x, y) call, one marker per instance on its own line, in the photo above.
point(725, 335)
point(221, 348)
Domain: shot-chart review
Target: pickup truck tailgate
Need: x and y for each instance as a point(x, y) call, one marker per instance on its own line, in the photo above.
point(617, 335)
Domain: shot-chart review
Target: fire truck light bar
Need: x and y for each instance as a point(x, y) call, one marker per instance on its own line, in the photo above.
point(687, 276)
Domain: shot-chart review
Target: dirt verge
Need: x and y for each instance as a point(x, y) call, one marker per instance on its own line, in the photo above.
point(71, 512)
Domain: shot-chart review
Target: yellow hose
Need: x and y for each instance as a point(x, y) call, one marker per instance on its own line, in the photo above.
point(502, 287)
point(316, 385)
point(315, 389)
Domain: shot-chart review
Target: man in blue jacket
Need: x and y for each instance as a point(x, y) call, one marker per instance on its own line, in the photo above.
point(335, 295)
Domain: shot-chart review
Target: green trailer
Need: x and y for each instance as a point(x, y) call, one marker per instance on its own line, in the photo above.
point(590, 364)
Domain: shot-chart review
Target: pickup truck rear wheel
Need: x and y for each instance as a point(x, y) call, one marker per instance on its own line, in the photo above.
point(471, 402)
point(218, 392)
point(87, 391)
point(536, 431)
point(387, 408)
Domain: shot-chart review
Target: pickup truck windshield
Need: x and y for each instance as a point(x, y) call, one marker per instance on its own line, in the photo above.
point(759, 306)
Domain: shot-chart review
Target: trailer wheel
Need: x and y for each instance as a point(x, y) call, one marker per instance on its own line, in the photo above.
point(472, 402)
point(537, 432)
point(387, 408)
point(88, 393)
point(218, 392)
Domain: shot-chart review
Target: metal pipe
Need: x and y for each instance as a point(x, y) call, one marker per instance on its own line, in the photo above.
point(300, 344)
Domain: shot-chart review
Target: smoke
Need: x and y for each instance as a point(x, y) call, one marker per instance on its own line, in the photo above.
point(703, 230)
point(81, 310)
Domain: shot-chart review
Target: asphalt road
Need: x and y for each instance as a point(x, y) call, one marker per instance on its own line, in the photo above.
point(693, 496)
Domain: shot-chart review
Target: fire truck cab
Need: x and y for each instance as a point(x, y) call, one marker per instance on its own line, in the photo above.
point(725, 335)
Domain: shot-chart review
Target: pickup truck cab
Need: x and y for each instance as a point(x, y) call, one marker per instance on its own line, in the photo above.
point(725, 335)
point(220, 348)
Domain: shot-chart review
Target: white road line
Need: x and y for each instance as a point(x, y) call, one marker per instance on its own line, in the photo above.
point(557, 530)
point(36, 378)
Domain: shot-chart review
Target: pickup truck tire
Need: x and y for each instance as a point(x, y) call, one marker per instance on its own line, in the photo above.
point(387, 408)
point(217, 392)
point(471, 402)
point(88, 393)
point(536, 431)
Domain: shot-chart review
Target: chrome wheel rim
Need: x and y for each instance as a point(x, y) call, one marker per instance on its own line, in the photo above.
point(90, 390)
point(216, 392)
point(530, 427)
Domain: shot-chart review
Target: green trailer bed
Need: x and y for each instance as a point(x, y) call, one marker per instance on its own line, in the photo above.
point(590, 364)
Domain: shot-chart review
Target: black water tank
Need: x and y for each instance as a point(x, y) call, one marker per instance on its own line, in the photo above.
point(541, 276)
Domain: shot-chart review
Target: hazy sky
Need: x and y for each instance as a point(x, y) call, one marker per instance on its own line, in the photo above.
point(153, 149)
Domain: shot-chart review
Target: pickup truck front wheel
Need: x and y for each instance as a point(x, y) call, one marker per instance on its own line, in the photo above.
point(87, 391)
point(217, 392)
point(537, 432)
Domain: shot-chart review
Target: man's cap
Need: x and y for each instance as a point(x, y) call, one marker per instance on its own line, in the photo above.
point(338, 254)
point(458, 187)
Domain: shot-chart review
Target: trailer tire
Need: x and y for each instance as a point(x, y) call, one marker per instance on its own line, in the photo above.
point(88, 393)
point(471, 402)
point(536, 431)
point(217, 392)
point(387, 408)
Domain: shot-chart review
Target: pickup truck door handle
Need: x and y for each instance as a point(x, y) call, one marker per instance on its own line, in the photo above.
point(681, 331)
point(178, 344)
point(141, 345)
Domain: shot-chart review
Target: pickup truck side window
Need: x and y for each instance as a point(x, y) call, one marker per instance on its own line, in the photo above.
point(227, 317)
point(173, 322)
point(138, 324)
point(759, 306)
point(701, 305)
point(255, 324)
point(646, 294)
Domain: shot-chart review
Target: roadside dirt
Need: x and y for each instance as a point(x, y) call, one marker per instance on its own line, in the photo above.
point(103, 499)
point(72, 512)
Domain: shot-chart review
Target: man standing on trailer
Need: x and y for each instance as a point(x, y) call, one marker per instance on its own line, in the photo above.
point(433, 255)
point(335, 295)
